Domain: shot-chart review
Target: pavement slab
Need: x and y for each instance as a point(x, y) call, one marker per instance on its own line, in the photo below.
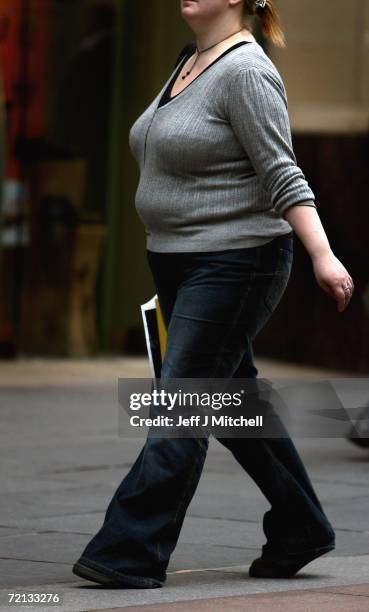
point(355, 599)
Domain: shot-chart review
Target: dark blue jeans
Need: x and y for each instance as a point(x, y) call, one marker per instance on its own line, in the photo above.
point(213, 304)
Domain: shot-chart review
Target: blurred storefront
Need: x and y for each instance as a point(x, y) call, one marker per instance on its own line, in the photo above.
point(76, 75)
point(52, 233)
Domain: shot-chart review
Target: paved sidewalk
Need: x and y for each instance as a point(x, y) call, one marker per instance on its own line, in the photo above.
point(62, 459)
point(340, 599)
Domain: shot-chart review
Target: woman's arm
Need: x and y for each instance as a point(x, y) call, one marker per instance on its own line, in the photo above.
point(330, 274)
point(256, 107)
point(257, 110)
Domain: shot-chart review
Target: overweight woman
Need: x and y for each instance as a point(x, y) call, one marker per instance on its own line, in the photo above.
point(220, 196)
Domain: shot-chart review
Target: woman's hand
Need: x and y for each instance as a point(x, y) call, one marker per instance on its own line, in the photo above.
point(330, 274)
point(333, 278)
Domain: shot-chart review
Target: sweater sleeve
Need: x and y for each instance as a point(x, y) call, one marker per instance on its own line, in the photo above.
point(257, 111)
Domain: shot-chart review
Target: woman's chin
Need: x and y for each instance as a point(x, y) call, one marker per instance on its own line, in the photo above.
point(188, 5)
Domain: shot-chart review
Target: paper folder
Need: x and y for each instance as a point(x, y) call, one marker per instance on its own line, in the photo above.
point(155, 334)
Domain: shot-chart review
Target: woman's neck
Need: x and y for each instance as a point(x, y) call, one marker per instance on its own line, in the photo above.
point(222, 37)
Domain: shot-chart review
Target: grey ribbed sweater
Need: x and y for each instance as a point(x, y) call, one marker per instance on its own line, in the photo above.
point(217, 167)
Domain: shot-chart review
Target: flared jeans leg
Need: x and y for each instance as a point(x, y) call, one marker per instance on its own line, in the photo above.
point(213, 305)
point(144, 518)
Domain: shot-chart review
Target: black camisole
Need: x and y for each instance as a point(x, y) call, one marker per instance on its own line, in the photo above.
point(187, 52)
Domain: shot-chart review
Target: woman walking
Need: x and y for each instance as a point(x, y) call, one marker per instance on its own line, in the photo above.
point(220, 196)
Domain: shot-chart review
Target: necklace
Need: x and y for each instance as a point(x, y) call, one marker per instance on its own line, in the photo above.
point(207, 48)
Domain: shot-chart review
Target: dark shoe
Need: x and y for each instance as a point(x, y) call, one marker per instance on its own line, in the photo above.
point(112, 579)
point(278, 566)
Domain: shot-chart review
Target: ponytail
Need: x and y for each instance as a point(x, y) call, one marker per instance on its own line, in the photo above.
point(269, 19)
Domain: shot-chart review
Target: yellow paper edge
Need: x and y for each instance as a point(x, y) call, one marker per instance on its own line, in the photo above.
point(161, 329)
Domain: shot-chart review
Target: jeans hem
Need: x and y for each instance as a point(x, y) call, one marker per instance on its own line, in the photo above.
point(123, 578)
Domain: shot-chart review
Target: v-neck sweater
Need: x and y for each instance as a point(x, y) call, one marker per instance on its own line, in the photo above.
point(217, 166)
point(187, 52)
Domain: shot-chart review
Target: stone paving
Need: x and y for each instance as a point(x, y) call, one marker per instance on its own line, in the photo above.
point(61, 460)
